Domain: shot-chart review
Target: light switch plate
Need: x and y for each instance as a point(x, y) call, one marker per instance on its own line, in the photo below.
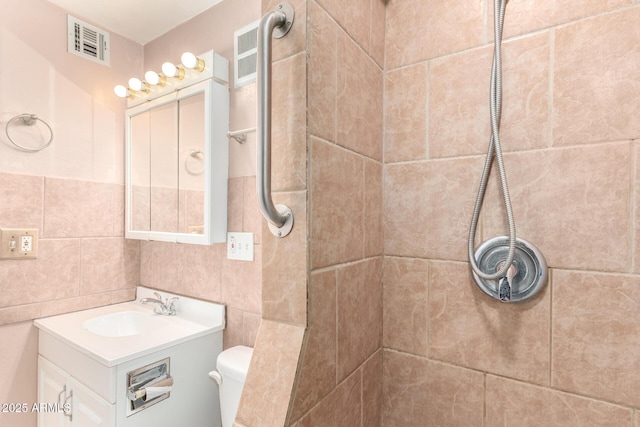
point(18, 243)
point(240, 246)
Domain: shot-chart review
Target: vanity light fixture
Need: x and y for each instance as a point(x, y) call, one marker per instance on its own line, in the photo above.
point(170, 70)
point(189, 60)
point(123, 92)
point(138, 85)
point(174, 76)
point(155, 79)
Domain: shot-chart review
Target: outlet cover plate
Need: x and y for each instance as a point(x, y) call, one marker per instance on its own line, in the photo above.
point(240, 246)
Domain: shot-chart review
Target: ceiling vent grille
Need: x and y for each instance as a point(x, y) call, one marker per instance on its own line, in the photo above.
point(245, 54)
point(87, 41)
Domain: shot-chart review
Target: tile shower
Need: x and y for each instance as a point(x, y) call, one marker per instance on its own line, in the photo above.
point(438, 352)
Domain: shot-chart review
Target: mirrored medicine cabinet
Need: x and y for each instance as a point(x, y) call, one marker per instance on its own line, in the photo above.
point(177, 158)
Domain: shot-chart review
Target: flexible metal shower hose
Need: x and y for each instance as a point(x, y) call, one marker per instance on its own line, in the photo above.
point(494, 149)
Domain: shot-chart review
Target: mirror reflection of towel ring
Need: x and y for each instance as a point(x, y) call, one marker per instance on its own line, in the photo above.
point(28, 120)
point(193, 154)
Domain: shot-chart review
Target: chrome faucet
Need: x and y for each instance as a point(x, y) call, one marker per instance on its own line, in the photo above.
point(166, 307)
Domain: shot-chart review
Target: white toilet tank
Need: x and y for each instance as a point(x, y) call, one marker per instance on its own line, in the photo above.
point(232, 367)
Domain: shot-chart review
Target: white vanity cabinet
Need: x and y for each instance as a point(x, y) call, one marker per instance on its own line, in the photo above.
point(101, 361)
point(69, 402)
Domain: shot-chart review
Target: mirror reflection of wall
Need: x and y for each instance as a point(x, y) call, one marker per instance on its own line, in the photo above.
point(191, 164)
point(163, 158)
point(167, 167)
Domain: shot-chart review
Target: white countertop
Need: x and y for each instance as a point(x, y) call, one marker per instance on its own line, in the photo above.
point(195, 318)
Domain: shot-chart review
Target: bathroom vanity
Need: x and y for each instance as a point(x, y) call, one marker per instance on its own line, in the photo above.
point(124, 365)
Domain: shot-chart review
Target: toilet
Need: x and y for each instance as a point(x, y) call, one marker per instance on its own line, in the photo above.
point(232, 366)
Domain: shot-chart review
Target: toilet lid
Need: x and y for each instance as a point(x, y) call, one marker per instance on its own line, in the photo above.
point(234, 362)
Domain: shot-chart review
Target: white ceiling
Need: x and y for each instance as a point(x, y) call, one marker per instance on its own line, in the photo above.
point(138, 20)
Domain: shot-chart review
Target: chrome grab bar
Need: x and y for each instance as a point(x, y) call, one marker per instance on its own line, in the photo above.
point(274, 24)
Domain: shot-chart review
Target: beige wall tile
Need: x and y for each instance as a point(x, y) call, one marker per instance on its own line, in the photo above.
point(342, 408)
point(123, 295)
point(405, 295)
point(470, 329)
point(511, 403)
point(596, 345)
point(378, 18)
point(108, 264)
point(372, 390)
point(284, 266)
point(336, 200)
point(201, 272)
point(323, 74)
point(596, 83)
point(57, 266)
point(241, 328)
point(67, 305)
point(359, 299)
point(419, 392)
point(250, 326)
point(119, 211)
point(242, 283)
point(252, 218)
point(289, 154)
point(636, 206)
point(271, 373)
point(405, 114)
point(373, 238)
point(164, 271)
point(572, 203)
point(354, 17)
point(22, 201)
point(459, 119)
point(232, 335)
point(317, 376)
point(417, 29)
point(428, 207)
point(79, 208)
point(531, 15)
point(20, 313)
point(359, 103)
point(235, 204)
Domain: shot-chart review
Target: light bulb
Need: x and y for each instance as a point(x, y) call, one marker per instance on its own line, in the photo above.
point(138, 85)
point(189, 60)
point(170, 70)
point(121, 91)
point(155, 79)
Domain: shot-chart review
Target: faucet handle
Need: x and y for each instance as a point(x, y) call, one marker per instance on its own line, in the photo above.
point(170, 304)
point(505, 285)
point(157, 295)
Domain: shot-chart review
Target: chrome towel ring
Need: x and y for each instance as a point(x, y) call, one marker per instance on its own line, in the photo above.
point(193, 154)
point(28, 120)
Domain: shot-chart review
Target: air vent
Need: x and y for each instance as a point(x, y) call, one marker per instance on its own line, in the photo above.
point(245, 54)
point(87, 41)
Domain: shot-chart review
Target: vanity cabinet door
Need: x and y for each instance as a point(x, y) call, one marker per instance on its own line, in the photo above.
point(69, 403)
point(89, 409)
point(52, 390)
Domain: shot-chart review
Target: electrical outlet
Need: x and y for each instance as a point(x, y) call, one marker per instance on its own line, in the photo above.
point(18, 243)
point(240, 246)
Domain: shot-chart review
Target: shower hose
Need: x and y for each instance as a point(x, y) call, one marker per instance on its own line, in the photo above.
point(495, 105)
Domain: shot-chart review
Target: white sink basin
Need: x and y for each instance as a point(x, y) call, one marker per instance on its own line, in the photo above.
point(117, 333)
point(124, 324)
